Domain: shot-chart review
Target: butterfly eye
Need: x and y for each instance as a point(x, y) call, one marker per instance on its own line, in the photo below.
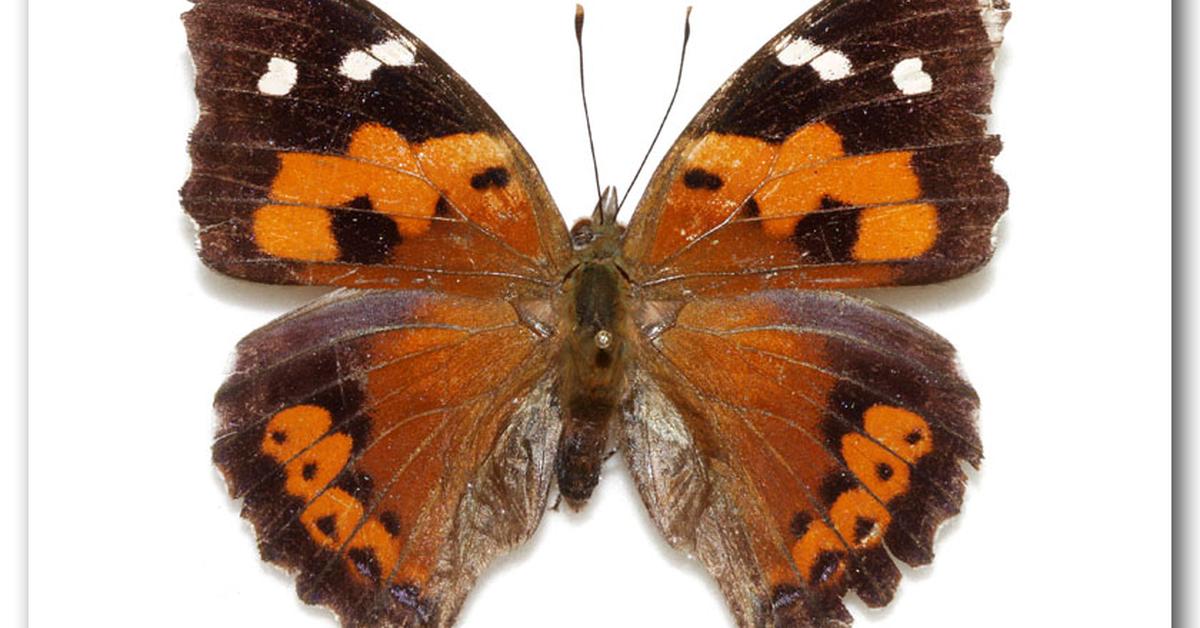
point(582, 234)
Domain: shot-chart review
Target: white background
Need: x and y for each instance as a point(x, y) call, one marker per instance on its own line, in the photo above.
point(1066, 335)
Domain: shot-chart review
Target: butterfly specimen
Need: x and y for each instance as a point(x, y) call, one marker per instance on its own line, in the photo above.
point(478, 358)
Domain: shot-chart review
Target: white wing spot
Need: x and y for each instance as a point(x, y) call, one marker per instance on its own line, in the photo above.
point(830, 65)
point(358, 65)
point(798, 51)
point(279, 78)
point(910, 78)
point(396, 51)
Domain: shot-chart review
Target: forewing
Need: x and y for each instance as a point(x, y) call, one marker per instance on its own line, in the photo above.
point(791, 440)
point(377, 460)
point(334, 147)
point(851, 150)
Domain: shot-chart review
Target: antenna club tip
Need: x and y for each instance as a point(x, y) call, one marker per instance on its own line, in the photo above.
point(579, 22)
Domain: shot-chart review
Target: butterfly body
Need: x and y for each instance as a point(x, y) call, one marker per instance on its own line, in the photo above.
point(392, 438)
point(593, 378)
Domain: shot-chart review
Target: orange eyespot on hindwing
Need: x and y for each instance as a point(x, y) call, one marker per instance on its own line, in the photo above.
point(882, 472)
point(859, 518)
point(313, 469)
point(818, 552)
point(332, 517)
point(373, 552)
point(313, 460)
point(862, 504)
point(901, 431)
point(293, 430)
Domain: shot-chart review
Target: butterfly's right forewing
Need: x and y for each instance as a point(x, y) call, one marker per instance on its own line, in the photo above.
point(852, 150)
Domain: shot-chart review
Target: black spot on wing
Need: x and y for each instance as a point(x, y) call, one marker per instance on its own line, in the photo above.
point(365, 563)
point(800, 523)
point(768, 87)
point(701, 179)
point(835, 484)
point(328, 526)
point(363, 235)
point(751, 209)
point(390, 522)
point(495, 177)
point(309, 471)
point(884, 471)
point(827, 235)
point(357, 484)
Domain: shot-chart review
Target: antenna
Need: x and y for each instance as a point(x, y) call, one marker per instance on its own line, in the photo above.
point(583, 93)
point(687, 34)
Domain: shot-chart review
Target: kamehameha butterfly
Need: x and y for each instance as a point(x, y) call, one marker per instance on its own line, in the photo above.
point(392, 438)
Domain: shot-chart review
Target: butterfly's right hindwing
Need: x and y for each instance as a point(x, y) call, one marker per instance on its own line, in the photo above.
point(796, 442)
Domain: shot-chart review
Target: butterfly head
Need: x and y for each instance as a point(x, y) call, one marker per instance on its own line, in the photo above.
point(600, 233)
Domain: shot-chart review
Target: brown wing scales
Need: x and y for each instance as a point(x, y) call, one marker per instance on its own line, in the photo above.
point(333, 147)
point(794, 441)
point(850, 151)
point(359, 432)
point(843, 424)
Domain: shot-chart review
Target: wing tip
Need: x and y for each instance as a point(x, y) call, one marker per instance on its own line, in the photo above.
point(995, 15)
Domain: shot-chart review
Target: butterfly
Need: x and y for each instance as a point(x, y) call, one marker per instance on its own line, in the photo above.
point(392, 438)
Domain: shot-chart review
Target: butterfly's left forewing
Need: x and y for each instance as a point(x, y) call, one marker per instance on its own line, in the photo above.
point(335, 148)
point(387, 444)
point(376, 458)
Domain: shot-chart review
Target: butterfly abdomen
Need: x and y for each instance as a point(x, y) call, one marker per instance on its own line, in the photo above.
point(593, 377)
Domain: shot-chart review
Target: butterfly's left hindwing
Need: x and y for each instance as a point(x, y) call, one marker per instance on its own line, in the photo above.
point(377, 460)
point(334, 147)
